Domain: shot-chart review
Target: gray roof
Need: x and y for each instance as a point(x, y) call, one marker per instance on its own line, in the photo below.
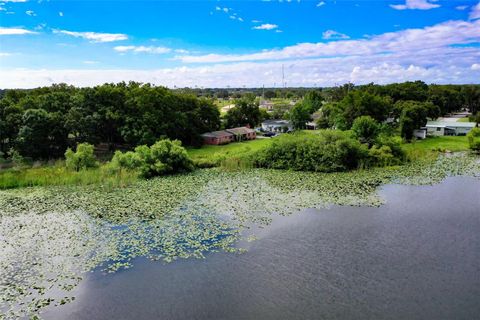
point(443, 124)
point(217, 134)
point(240, 130)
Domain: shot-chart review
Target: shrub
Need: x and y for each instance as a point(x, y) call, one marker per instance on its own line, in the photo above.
point(395, 145)
point(382, 156)
point(474, 139)
point(82, 158)
point(164, 157)
point(328, 151)
point(365, 129)
point(17, 159)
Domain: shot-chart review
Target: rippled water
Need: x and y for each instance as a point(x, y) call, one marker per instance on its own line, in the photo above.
point(416, 257)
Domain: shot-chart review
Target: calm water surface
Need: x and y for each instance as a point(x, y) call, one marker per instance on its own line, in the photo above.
point(417, 257)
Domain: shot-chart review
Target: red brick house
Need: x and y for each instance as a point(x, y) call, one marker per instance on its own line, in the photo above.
point(218, 137)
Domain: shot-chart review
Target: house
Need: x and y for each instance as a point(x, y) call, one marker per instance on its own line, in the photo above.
point(276, 126)
point(443, 128)
point(242, 133)
point(267, 105)
point(218, 137)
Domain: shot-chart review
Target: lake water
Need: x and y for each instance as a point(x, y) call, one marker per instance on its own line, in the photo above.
point(416, 257)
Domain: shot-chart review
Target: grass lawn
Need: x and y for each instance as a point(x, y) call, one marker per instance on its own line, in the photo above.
point(429, 146)
point(217, 154)
point(463, 119)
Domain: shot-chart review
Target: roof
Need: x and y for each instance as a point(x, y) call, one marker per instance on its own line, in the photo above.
point(240, 130)
point(276, 123)
point(217, 134)
point(443, 124)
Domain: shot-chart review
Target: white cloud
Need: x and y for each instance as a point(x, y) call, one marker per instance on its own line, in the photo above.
point(303, 72)
point(31, 13)
point(14, 31)
point(475, 13)
point(90, 62)
point(475, 66)
point(461, 8)
point(256, 21)
point(416, 4)
point(266, 26)
point(95, 36)
point(142, 49)
point(321, 4)
point(60, 13)
point(5, 54)
point(435, 37)
point(14, 0)
point(332, 35)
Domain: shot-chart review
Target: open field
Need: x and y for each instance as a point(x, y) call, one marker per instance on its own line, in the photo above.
point(215, 155)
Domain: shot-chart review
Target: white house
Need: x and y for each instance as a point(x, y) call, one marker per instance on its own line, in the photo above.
point(276, 126)
point(441, 128)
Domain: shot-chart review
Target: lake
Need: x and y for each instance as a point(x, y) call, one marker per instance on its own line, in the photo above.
point(416, 257)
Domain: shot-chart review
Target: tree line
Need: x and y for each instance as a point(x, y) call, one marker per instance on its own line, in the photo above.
point(42, 123)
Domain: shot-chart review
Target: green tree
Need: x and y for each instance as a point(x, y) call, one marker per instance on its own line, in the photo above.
point(366, 129)
point(246, 112)
point(270, 94)
point(413, 116)
point(474, 139)
point(33, 136)
point(360, 103)
point(299, 115)
point(313, 101)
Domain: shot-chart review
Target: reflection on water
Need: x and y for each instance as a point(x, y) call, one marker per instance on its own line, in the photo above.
point(416, 257)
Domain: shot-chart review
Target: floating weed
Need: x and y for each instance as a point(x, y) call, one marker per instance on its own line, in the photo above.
point(49, 237)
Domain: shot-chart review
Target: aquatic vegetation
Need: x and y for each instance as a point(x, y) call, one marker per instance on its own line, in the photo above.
point(51, 236)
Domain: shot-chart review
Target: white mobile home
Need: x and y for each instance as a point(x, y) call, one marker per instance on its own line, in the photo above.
point(276, 126)
point(440, 128)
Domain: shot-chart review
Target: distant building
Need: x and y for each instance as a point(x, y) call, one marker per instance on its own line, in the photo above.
point(242, 133)
point(218, 137)
point(267, 105)
point(228, 135)
point(440, 128)
point(276, 126)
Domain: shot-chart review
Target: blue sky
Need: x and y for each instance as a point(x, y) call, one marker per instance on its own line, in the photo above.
point(238, 43)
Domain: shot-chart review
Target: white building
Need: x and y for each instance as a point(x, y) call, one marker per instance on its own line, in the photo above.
point(440, 128)
point(276, 126)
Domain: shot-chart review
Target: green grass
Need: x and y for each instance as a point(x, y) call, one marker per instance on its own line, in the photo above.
point(59, 175)
point(226, 155)
point(466, 119)
point(432, 145)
